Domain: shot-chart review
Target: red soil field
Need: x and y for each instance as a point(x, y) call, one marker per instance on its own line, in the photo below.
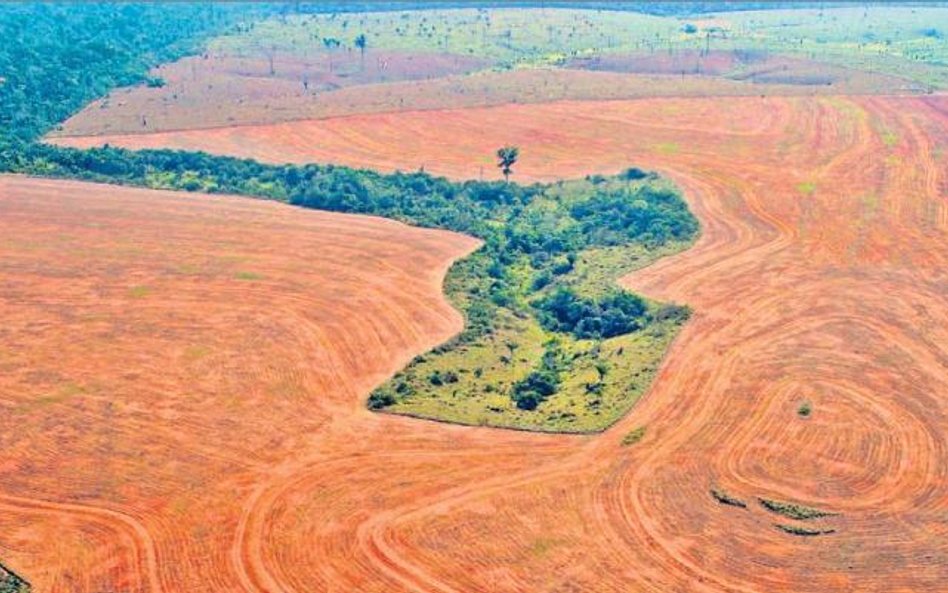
point(224, 89)
point(819, 276)
point(230, 91)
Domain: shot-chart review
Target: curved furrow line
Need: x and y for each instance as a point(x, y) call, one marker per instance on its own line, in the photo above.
point(145, 550)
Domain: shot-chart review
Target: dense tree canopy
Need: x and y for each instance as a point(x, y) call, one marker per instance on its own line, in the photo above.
point(55, 58)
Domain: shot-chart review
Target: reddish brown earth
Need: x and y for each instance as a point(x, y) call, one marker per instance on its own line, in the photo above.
point(819, 276)
point(760, 68)
point(224, 89)
point(221, 92)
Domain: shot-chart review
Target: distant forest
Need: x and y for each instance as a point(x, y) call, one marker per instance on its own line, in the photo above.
point(657, 8)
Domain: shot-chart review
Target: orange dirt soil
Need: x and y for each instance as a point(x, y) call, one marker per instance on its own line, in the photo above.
point(224, 91)
point(819, 276)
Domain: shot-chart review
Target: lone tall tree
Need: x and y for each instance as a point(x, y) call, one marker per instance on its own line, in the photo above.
point(508, 157)
point(360, 43)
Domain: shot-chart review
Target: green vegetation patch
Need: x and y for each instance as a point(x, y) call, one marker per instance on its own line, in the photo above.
point(56, 57)
point(803, 531)
point(794, 511)
point(635, 435)
point(10, 582)
point(551, 343)
point(806, 187)
point(724, 498)
point(805, 409)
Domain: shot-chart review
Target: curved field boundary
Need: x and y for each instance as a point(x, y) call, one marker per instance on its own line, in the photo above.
point(819, 277)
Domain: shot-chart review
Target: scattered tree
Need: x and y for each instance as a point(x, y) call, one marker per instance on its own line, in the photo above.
point(360, 42)
point(507, 158)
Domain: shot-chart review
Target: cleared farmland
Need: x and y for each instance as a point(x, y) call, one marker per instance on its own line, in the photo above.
point(310, 67)
point(818, 278)
point(224, 91)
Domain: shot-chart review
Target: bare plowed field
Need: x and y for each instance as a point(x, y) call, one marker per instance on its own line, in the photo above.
point(819, 279)
point(231, 91)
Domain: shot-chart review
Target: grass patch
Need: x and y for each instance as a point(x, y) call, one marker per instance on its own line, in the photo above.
point(634, 436)
point(487, 370)
point(803, 531)
point(806, 187)
point(724, 498)
point(667, 148)
point(794, 511)
point(139, 292)
point(248, 276)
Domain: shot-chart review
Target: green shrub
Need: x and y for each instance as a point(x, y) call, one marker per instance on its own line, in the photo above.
point(634, 436)
point(805, 410)
point(803, 531)
point(380, 399)
point(724, 498)
point(793, 511)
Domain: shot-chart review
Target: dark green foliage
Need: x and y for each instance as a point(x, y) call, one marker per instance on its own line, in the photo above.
point(634, 174)
point(803, 531)
point(439, 378)
point(56, 57)
point(540, 384)
point(507, 157)
point(805, 410)
point(724, 498)
point(10, 582)
point(652, 216)
point(617, 313)
point(380, 399)
point(793, 511)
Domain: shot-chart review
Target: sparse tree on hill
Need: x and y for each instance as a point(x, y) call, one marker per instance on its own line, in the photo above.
point(331, 43)
point(602, 369)
point(360, 42)
point(508, 157)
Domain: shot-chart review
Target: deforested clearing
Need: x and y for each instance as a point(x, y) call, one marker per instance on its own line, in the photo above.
point(792, 294)
point(186, 378)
